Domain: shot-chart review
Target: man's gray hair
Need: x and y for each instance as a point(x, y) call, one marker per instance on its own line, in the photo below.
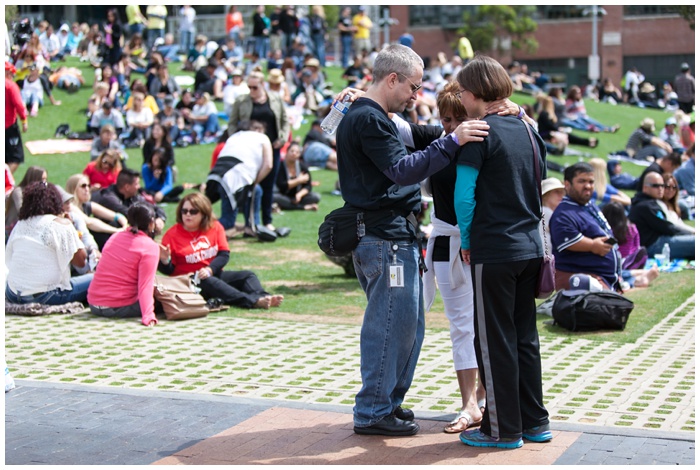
point(396, 59)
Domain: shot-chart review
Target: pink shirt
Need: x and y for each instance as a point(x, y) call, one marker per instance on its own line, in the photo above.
point(126, 273)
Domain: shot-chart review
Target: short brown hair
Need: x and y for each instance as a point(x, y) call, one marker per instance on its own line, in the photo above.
point(201, 202)
point(448, 103)
point(486, 79)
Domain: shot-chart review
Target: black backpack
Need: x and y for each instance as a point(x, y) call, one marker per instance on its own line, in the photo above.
point(591, 311)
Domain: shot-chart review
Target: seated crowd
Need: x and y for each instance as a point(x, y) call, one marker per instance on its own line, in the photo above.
point(98, 233)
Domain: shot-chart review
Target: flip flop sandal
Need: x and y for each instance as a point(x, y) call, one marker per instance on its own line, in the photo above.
point(462, 422)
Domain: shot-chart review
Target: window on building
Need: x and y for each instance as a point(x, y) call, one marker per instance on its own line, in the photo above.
point(559, 12)
point(448, 17)
point(649, 10)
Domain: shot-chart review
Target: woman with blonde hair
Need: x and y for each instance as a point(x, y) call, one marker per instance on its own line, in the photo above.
point(79, 186)
point(103, 172)
point(602, 191)
point(549, 127)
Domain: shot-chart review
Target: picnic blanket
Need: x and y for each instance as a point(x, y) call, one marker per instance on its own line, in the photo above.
point(51, 146)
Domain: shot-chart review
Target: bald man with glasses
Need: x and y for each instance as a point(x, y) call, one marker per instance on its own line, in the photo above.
point(655, 230)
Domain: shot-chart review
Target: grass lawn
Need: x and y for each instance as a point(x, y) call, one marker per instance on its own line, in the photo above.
point(315, 289)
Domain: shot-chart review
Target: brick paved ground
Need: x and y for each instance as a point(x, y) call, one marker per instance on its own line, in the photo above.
point(48, 423)
point(595, 387)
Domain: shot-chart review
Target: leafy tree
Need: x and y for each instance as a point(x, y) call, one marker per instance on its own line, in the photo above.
point(493, 25)
point(687, 12)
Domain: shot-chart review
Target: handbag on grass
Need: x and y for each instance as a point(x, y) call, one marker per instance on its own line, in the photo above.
point(176, 297)
point(545, 280)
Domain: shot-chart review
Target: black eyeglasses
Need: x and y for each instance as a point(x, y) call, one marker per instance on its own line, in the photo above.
point(414, 87)
point(670, 186)
point(189, 211)
point(656, 185)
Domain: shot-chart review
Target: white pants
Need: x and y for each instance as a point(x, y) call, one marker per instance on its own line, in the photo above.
point(459, 310)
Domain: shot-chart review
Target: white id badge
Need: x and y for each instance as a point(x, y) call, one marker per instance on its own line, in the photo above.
point(396, 275)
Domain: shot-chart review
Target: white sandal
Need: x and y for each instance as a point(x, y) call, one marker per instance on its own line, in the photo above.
point(455, 425)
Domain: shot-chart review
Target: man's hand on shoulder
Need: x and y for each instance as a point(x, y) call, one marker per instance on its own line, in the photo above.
point(471, 131)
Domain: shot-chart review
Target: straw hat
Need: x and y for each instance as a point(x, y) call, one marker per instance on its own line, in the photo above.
point(275, 76)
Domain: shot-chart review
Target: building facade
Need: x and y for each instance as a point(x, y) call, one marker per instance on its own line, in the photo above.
point(653, 38)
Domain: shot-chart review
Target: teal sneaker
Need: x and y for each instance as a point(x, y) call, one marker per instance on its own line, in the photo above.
point(476, 438)
point(538, 434)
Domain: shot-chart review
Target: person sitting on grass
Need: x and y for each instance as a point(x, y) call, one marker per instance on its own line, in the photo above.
point(197, 244)
point(107, 140)
point(205, 117)
point(139, 119)
point(655, 229)
point(578, 118)
point(107, 115)
point(104, 171)
point(294, 183)
point(13, 202)
point(94, 215)
point(123, 282)
point(40, 250)
point(158, 178)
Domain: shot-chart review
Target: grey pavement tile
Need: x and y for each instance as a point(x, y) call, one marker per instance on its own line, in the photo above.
point(615, 460)
point(594, 457)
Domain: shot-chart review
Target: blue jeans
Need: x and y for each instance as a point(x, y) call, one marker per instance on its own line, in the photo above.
point(186, 40)
point(268, 188)
point(210, 127)
point(154, 34)
point(346, 49)
point(136, 28)
point(682, 246)
point(229, 213)
point(79, 284)
point(319, 45)
point(170, 53)
point(262, 46)
point(585, 123)
point(392, 329)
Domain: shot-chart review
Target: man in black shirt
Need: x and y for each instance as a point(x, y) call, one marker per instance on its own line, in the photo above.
point(380, 179)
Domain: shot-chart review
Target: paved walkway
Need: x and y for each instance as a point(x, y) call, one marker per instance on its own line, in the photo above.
point(592, 388)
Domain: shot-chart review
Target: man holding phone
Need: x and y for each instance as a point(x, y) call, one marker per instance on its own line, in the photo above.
point(581, 236)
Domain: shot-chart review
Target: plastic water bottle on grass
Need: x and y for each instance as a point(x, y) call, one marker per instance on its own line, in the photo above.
point(336, 114)
point(666, 251)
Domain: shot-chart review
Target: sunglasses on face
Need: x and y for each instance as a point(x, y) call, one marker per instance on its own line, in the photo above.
point(656, 185)
point(253, 87)
point(109, 163)
point(670, 186)
point(84, 185)
point(189, 211)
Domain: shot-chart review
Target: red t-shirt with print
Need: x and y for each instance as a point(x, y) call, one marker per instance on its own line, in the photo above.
point(191, 251)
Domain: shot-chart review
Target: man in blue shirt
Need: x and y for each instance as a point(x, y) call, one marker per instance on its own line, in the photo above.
point(582, 238)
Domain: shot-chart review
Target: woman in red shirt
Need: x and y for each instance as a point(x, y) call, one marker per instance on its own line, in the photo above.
point(104, 170)
point(197, 244)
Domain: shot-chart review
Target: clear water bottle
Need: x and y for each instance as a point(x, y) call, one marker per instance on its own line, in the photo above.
point(666, 251)
point(338, 111)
